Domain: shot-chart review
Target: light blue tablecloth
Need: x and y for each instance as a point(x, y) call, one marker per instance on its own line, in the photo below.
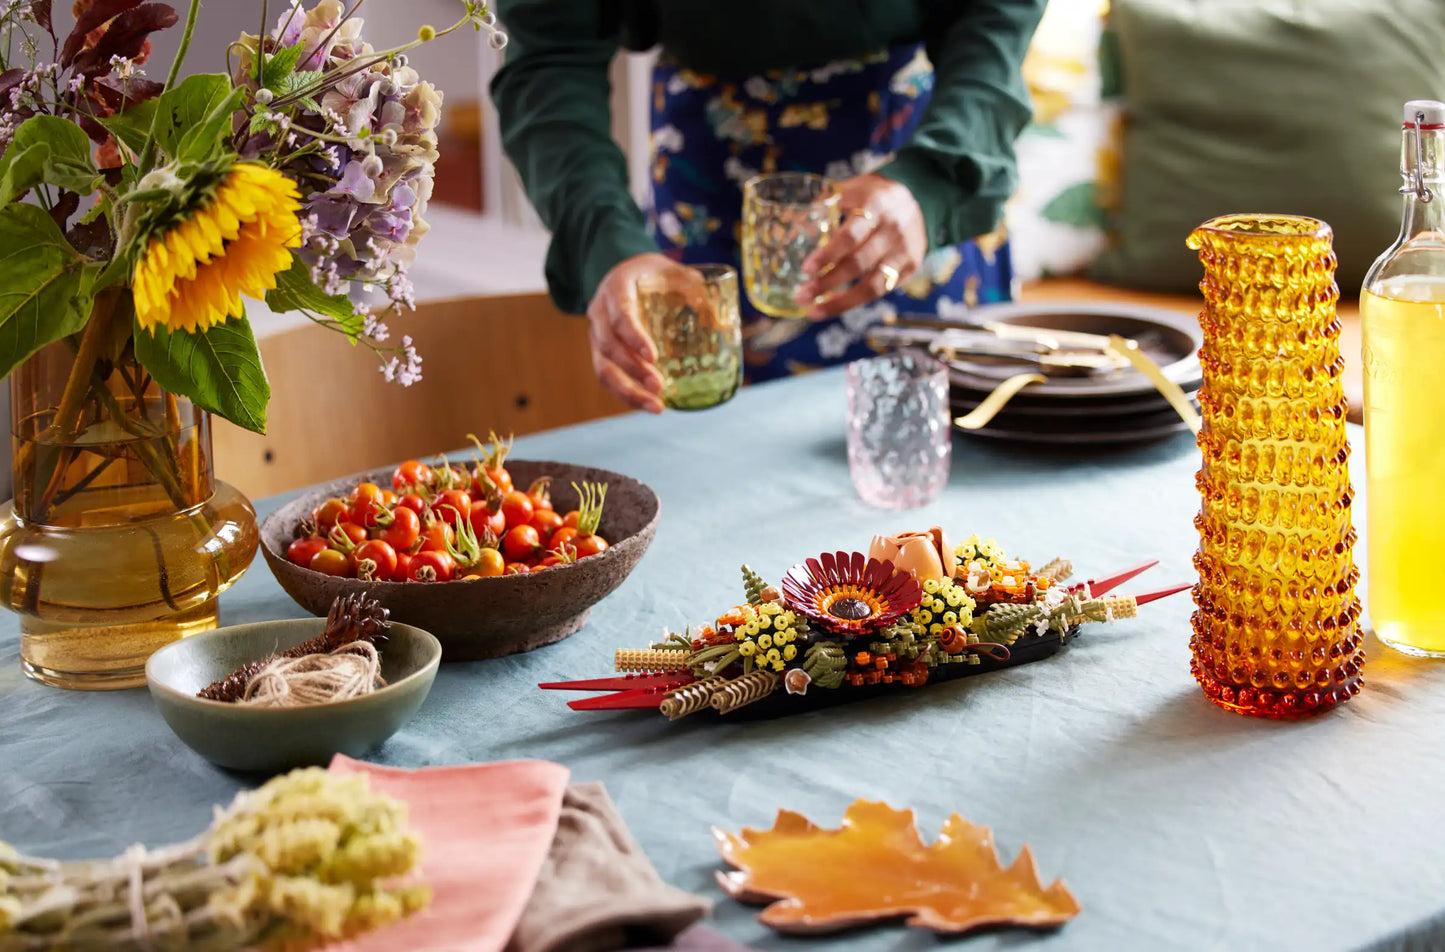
point(1178, 825)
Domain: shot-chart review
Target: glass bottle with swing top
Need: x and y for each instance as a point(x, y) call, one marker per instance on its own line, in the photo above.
point(1402, 310)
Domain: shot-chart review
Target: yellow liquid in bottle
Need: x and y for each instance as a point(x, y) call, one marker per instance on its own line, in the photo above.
point(1404, 350)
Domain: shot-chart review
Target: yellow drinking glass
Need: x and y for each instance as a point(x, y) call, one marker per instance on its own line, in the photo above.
point(692, 316)
point(786, 217)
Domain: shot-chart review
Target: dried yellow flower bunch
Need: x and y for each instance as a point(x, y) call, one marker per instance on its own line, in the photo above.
point(308, 858)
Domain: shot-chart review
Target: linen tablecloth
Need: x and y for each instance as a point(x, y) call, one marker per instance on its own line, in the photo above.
point(1177, 825)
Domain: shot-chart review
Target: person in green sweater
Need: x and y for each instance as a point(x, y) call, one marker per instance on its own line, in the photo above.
point(911, 105)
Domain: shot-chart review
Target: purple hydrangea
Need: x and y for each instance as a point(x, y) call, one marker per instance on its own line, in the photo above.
point(364, 200)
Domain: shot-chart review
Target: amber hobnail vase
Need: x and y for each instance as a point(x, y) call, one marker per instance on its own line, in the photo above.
point(119, 538)
point(1276, 630)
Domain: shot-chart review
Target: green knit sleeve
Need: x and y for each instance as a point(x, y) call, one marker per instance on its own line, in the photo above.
point(553, 105)
point(959, 163)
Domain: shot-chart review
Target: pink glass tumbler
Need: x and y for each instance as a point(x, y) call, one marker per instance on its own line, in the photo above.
point(899, 439)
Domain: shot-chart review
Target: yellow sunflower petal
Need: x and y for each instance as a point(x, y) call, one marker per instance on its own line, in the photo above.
point(155, 254)
point(193, 276)
point(225, 220)
point(210, 232)
point(213, 288)
point(191, 234)
point(236, 284)
point(143, 298)
point(240, 201)
point(183, 263)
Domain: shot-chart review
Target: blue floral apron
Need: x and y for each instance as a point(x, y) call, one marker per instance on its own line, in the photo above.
point(847, 118)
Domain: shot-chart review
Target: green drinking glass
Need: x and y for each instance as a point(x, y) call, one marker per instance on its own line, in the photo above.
point(692, 315)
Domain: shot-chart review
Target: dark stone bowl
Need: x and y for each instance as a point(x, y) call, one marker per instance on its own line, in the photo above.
point(486, 617)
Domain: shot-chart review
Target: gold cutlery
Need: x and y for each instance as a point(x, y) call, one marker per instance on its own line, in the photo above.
point(1129, 350)
point(979, 416)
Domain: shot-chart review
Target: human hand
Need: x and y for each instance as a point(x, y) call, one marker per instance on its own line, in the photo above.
point(623, 355)
point(882, 229)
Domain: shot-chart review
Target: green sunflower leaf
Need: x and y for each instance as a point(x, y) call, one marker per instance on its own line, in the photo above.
point(219, 370)
point(131, 126)
point(1044, 130)
point(68, 165)
point(46, 286)
point(295, 291)
point(193, 118)
point(50, 150)
point(21, 170)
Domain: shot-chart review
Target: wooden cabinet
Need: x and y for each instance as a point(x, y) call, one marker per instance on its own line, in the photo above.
point(509, 363)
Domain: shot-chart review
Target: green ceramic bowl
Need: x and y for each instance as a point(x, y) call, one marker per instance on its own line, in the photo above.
point(276, 739)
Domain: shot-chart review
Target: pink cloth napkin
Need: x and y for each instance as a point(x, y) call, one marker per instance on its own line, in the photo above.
point(486, 831)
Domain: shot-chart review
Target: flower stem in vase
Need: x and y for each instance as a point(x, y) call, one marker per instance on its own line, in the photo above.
point(45, 453)
point(168, 472)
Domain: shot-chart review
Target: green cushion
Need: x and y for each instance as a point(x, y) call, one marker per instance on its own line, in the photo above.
point(1265, 106)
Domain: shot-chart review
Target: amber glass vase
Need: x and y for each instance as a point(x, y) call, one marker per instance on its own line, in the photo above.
point(1276, 631)
point(118, 539)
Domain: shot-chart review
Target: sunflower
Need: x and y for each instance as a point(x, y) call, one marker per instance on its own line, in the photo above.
point(192, 274)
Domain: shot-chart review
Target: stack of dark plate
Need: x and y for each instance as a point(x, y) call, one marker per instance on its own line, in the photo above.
point(1114, 405)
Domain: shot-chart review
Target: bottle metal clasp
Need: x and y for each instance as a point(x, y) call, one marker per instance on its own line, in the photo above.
point(1422, 191)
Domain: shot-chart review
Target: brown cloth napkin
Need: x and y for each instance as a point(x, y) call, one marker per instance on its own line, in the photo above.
point(598, 892)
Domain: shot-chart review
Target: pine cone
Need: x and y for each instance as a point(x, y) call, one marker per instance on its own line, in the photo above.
point(352, 618)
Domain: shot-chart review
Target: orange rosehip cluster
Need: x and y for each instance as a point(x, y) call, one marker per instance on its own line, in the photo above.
point(884, 668)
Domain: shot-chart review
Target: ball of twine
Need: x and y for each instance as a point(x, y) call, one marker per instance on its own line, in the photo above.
point(350, 671)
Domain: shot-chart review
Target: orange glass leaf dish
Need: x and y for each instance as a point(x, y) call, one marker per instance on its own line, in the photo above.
point(875, 866)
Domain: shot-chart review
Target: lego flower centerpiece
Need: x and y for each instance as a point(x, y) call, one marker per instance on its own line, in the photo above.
point(913, 611)
point(136, 218)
